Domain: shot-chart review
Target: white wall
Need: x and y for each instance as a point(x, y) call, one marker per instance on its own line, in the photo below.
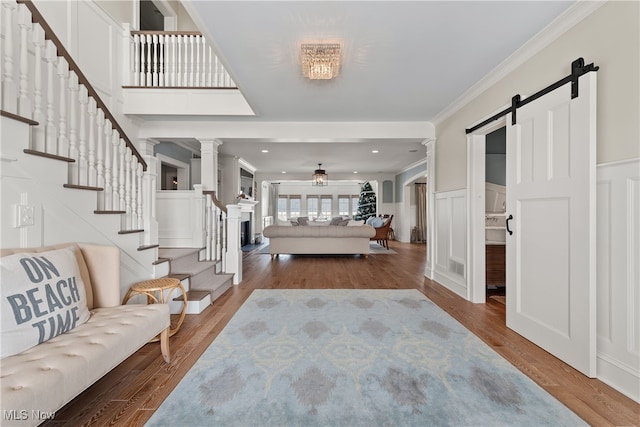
point(618, 276)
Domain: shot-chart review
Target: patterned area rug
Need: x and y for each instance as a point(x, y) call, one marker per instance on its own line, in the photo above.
point(353, 358)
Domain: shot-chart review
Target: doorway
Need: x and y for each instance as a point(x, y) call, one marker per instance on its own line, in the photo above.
point(495, 214)
point(477, 220)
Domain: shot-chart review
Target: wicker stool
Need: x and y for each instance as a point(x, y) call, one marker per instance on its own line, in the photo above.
point(155, 291)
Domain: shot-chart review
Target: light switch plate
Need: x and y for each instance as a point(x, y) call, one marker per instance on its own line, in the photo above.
point(24, 215)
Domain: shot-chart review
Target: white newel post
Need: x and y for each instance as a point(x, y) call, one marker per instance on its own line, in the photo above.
point(233, 259)
point(148, 189)
point(199, 231)
point(209, 163)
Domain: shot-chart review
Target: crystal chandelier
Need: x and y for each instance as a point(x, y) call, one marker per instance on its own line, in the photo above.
point(319, 177)
point(320, 61)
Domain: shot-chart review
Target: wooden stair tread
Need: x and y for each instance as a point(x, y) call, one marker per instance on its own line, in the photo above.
point(160, 261)
point(82, 187)
point(145, 247)
point(48, 156)
point(18, 117)
point(110, 213)
point(131, 231)
point(193, 295)
point(179, 276)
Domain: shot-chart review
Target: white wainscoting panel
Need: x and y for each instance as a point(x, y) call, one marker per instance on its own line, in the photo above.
point(618, 276)
point(180, 219)
point(451, 240)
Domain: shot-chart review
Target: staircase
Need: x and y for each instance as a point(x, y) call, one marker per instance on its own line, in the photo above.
point(70, 173)
point(199, 278)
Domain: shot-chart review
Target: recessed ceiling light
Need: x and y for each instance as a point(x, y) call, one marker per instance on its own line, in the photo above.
point(284, 171)
point(265, 151)
point(375, 151)
point(355, 171)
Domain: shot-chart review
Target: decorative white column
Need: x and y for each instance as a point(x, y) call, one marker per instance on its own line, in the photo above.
point(430, 144)
point(209, 164)
point(233, 259)
point(148, 189)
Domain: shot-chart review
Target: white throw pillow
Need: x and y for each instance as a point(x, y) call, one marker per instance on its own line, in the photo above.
point(43, 296)
point(354, 223)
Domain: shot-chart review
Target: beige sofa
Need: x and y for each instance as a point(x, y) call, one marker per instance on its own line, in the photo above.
point(42, 379)
point(329, 239)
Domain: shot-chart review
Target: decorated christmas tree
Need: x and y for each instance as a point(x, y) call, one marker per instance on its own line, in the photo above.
point(366, 202)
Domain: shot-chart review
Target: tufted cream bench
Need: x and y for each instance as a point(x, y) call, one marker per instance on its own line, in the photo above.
point(40, 380)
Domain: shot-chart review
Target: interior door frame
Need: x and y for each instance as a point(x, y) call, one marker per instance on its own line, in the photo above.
point(476, 242)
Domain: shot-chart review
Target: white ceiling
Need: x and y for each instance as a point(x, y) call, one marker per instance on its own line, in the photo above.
point(403, 61)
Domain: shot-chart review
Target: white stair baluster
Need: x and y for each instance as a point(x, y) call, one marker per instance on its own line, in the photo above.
point(122, 167)
point(196, 41)
point(92, 171)
point(216, 72)
point(162, 68)
point(139, 175)
point(179, 72)
point(127, 187)
point(63, 139)
point(172, 65)
point(24, 22)
point(134, 193)
point(37, 136)
point(115, 155)
point(83, 98)
point(210, 68)
point(143, 43)
point(73, 136)
point(108, 168)
point(191, 59)
point(100, 157)
point(154, 54)
point(185, 62)
point(51, 132)
point(149, 78)
point(136, 60)
point(9, 89)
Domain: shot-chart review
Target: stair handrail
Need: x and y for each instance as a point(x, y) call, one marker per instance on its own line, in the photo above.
point(49, 34)
point(215, 200)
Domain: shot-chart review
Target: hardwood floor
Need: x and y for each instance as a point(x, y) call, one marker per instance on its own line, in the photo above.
point(129, 394)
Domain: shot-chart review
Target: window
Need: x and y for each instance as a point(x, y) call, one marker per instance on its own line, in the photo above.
point(347, 205)
point(294, 206)
point(288, 206)
point(282, 207)
point(312, 206)
point(326, 202)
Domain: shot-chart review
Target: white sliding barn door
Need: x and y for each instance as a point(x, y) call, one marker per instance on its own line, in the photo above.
point(551, 196)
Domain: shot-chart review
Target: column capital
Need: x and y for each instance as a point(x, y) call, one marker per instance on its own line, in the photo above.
point(145, 146)
point(210, 145)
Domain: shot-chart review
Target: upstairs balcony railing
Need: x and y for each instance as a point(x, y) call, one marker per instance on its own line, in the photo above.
point(175, 59)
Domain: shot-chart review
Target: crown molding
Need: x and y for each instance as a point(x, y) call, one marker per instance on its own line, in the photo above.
point(565, 21)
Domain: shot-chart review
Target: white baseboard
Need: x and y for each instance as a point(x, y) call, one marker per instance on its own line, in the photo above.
point(623, 378)
point(453, 284)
